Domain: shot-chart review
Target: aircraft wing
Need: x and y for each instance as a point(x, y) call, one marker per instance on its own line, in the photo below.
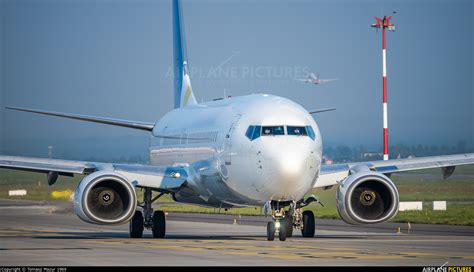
point(157, 177)
point(303, 79)
point(48, 165)
point(103, 120)
point(335, 173)
point(328, 80)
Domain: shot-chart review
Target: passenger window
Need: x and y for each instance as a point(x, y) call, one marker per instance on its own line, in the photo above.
point(311, 133)
point(274, 130)
point(296, 130)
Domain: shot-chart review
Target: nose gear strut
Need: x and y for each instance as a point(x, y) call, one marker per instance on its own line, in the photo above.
point(283, 222)
point(278, 224)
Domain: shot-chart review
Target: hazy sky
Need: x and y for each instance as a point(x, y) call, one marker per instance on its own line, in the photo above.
point(113, 58)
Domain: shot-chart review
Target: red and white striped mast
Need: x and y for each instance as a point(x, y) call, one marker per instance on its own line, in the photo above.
point(383, 24)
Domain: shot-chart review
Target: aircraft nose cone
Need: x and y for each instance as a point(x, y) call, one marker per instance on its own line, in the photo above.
point(292, 165)
point(292, 171)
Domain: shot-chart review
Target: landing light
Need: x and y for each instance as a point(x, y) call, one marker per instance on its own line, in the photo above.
point(175, 174)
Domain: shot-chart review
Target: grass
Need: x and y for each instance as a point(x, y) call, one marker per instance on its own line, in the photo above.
point(458, 193)
point(35, 184)
point(455, 214)
point(425, 185)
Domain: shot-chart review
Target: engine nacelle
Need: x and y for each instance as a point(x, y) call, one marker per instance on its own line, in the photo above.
point(105, 197)
point(366, 198)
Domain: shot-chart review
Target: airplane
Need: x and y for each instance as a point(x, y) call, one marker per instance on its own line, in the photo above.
point(314, 79)
point(253, 150)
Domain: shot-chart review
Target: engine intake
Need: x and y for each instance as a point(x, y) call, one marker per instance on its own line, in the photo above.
point(105, 198)
point(367, 198)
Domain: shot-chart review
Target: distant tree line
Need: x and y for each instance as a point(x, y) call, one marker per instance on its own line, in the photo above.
point(135, 159)
point(344, 153)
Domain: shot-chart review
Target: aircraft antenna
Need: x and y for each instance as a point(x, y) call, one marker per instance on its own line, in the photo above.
point(384, 24)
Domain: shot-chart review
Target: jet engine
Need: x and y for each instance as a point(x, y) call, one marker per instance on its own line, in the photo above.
point(366, 198)
point(105, 197)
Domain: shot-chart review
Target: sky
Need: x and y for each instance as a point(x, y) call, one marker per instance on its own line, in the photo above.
point(114, 58)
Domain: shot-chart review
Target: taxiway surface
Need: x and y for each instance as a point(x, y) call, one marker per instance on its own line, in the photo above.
point(43, 234)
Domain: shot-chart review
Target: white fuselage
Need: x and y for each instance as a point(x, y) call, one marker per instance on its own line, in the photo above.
point(231, 169)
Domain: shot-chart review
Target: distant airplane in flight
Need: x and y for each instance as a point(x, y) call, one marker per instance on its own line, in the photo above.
point(315, 79)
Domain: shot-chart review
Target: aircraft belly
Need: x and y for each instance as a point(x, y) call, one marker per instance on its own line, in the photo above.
point(217, 194)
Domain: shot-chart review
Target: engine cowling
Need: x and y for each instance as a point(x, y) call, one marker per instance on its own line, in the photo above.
point(105, 197)
point(367, 198)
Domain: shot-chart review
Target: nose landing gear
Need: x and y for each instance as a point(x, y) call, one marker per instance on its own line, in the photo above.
point(283, 222)
point(277, 226)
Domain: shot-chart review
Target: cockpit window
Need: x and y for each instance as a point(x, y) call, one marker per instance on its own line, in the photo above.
point(249, 132)
point(274, 130)
point(256, 132)
point(311, 133)
point(253, 132)
point(296, 130)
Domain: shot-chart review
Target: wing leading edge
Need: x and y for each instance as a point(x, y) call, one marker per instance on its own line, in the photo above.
point(161, 178)
point(335, 173)
point(103, 120)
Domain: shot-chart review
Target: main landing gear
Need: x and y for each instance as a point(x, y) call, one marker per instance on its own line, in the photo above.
point(154, 220)
point(283, 222)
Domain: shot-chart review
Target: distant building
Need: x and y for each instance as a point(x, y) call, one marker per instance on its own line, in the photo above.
point(371, 155)
point(327, 160)
point(50, 151)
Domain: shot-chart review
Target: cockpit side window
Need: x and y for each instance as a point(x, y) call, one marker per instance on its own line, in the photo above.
point(296, 130)
point(311, 133)
point(273, 130)
point(249, 132)
point(253, 132)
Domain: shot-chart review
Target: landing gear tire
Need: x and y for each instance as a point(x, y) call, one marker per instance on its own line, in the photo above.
point(159, 224)
point(289, 225)
point(282, 232)
point(270, 231)
point(308, 224)
point(136, 225)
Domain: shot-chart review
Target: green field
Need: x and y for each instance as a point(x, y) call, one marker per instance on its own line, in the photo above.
point(426, 185)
